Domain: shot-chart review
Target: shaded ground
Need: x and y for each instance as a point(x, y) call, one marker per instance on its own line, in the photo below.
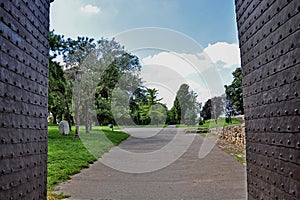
point(216, 176)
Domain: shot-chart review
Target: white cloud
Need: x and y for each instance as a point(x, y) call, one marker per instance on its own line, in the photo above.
point(203, 72)
point(90, 9)
point(166, 71)
point(225, 54)
point(181, 63)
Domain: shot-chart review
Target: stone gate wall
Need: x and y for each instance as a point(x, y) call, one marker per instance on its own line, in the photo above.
point(269, 38)
point(24, 31)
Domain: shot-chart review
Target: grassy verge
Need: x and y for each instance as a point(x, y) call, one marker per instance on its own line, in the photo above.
point(106, 128)
point(221, 122)
point(211, 124)
point(67, 156)
point(237, 152)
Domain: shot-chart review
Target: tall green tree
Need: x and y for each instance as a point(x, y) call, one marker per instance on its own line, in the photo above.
point(183, 97)
point(206, 110)
point(57, 102)
point(184, 105)
point(107, 66)
point(192, 109)
point(228, 109)
point(137, 100)
point(145, 107)
point(120, 72)
point(234, 91)
point(175, 112)
point(74, 56)
point(217, 107)
point(158, 113)
point(152, 96)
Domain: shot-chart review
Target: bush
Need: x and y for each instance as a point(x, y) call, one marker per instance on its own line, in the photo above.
point(228, 120)
point(201, 121)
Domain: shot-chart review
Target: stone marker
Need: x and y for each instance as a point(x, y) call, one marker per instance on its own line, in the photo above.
point(64, 127)
point(111, 126)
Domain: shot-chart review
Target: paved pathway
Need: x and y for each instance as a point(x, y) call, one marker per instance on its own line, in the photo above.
point(216, 176)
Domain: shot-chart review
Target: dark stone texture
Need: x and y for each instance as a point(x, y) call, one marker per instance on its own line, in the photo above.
point(269, 40)
point(24, 47)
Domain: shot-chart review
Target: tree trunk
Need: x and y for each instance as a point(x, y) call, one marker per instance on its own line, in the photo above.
point(87, 118)
point(60, 117)
point(69, 117)
point(54, 118)
point(90, 126)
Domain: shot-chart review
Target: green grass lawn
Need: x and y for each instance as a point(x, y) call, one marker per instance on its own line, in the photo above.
point(211, 124)
point(67, 156)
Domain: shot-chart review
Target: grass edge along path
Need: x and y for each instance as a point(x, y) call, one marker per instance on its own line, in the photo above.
point(211, 124)
point(238, 153)
point(68, 156)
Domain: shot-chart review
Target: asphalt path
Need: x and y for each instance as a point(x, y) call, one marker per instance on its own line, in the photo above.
point(158, 163)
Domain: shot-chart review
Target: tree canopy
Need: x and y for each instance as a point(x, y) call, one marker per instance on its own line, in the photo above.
point(234, 91)
point(107, 66)
point(111, 88)
point(185, 107)
point(206, 110)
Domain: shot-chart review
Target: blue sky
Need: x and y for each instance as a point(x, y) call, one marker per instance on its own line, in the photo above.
point(210, 24)
point(206, 21)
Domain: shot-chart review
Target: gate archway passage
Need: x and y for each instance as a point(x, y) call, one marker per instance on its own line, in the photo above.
point(269, 41)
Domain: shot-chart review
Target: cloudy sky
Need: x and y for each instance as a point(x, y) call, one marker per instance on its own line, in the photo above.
point(177, 41)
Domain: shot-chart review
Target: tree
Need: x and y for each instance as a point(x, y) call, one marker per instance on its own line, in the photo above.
point(206, 110)
point(145, 107)
point(184, 105)
point(56, 89)
point(158, 113)
point(190, 117)
point(234, 91)
point(74, 55)
point(57, 101)
point(107, 67)
point(175, 112)
point(61, 82)
point(155, 110)
point(137, 99)
point(192, 109)
point(183, 97)
point(117, 69)
point(180, 104)
point(217, 107)
point(152, 96)
point(229, 109)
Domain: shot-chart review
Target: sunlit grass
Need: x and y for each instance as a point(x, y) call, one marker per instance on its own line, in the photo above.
point(67, 156)
point(211, 124)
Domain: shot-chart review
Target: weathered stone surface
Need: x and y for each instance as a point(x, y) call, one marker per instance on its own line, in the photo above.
point(24, 48)
point(64, 128)
point(234, 134)
point(269, 35)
